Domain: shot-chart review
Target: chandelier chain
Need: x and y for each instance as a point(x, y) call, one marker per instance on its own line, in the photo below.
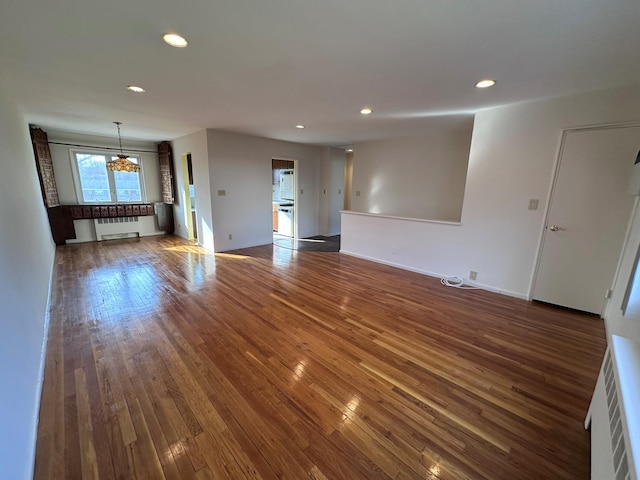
point(119, 137)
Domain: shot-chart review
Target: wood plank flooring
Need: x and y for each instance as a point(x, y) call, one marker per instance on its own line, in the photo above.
point(319, 243)
point(168, 362)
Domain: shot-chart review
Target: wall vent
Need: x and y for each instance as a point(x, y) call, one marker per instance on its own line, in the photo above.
point(103, 221)
point(620, 463)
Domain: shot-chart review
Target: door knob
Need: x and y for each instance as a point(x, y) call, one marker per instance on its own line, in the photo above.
point(555, 228)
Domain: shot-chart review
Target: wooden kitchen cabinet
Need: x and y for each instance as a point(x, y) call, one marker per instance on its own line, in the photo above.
point(275, 217)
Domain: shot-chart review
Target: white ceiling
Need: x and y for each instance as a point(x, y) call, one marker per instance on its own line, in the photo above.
point(263, 66)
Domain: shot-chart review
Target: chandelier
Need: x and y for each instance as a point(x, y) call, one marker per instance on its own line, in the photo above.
point(122, 163)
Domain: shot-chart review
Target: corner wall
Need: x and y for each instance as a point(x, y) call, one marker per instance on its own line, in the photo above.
point(26, 259)
point(513, 154)
point(627, 324)
point(241, 166)
point(332, 190)
point(196, 145)
point(415, 177)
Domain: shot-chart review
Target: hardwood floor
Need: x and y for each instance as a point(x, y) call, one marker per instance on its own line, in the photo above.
point(165, 361)
point(319, 243)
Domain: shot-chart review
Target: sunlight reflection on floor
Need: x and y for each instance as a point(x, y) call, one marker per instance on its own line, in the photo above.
point(232, 256)
point(189, 249)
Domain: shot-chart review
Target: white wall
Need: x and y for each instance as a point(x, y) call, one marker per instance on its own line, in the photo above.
point(513, 154)
point(332, 171)
point(348, 180)
point(26, 260)
point(196, 145)
point(415, 177)
point(627, 325)
point(60, 154)
point(241, 165)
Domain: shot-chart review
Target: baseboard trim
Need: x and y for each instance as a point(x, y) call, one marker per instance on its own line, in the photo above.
point(429, 273)
point(41, 369)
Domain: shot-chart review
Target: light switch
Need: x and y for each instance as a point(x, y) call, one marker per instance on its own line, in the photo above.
point(533, 204)
point(339, 192)
point(357, 193)
point(302, 191)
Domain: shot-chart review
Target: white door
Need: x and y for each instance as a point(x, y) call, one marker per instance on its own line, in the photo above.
point(587, 219)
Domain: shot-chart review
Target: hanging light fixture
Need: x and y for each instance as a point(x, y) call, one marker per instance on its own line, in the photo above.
point(122, 163)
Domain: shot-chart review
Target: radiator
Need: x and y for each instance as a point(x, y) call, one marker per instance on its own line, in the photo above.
point(613, 415)
point(116, 227)
point(618, 443)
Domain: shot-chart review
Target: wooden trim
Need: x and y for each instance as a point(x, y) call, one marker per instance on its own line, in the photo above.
point(79, 212)
point(44, 165)
point(165, 161)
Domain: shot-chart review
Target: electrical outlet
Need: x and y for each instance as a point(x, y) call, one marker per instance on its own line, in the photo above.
point(339, 191)
point(222, 193)
point(533, 204)
point(357, 193)
point(230, 237)
point(473, 275)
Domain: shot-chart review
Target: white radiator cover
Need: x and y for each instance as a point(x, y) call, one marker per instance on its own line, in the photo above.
point(614, 414)
point(118, 227)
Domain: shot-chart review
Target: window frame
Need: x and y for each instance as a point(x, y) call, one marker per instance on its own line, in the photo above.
point(110, 177)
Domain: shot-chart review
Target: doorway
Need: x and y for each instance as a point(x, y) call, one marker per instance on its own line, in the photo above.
point(190, 216)
point(587, 217)
point(283, 198)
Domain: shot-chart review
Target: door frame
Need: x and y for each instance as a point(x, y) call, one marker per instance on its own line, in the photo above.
point(549, 197)
point(296, 175)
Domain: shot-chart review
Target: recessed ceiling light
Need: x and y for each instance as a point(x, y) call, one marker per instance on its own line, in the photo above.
point(485, 83)
point(135, 88)
point(349, 150)
point(299, 126)
point(175, 40)
point(366, 111)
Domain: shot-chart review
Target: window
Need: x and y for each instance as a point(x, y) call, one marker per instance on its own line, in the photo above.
point(96, 184)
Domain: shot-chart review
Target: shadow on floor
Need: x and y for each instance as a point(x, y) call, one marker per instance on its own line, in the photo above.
point(318, 243)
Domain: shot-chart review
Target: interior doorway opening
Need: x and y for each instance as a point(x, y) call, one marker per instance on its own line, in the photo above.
point(283, 198)
point(189, 196)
